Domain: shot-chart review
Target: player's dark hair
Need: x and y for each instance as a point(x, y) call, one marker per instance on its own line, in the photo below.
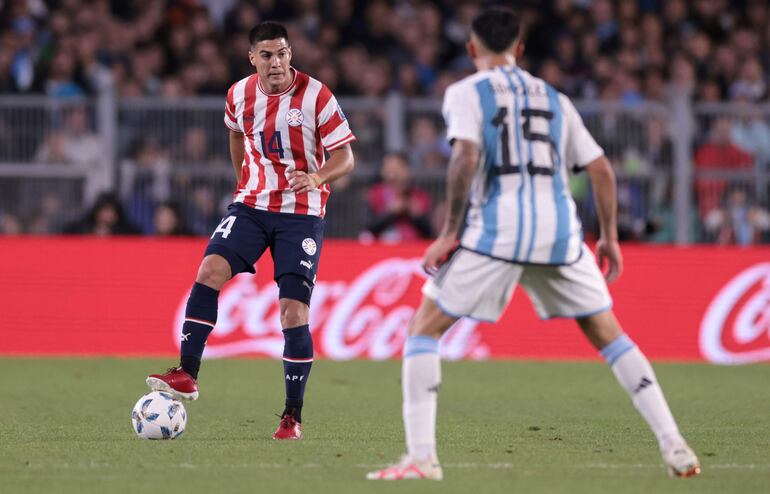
point(267, 30)
point(497, 28)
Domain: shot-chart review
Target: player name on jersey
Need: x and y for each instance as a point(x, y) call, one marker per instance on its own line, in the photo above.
point(530, 137)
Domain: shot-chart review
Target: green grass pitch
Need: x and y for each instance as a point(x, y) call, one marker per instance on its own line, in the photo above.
point(513, 427)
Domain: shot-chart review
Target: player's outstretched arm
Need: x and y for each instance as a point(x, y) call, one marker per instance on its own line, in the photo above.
point(605, 196)
point(236, 153)
point(462, 168)
point(340, 163)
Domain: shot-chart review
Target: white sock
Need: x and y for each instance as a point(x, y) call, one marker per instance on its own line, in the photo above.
point(635, 374)
point(420, 378)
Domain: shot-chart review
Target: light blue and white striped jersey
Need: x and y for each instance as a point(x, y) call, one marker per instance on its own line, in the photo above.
point(530, 136)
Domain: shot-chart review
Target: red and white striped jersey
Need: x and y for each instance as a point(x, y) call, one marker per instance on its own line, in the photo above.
point(282, 133)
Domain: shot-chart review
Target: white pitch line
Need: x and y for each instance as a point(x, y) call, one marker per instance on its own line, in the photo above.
point(720, 466)
point(601, 466)
point(94, 465)
point(493, 466)
point(749, 466)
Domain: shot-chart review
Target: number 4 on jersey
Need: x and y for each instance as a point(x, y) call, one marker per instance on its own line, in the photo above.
point(225, 228)
point(274, 145)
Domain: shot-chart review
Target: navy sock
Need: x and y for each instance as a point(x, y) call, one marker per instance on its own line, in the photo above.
point(297, 360)
point(199, 319)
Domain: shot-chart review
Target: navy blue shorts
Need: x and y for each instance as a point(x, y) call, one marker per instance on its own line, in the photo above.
point(294, 240)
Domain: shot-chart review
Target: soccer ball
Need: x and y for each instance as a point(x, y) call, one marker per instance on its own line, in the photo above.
point(158, 415)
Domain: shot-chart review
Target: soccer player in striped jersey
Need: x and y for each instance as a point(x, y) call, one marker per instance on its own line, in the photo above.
point(280, 122)
point(514, 141)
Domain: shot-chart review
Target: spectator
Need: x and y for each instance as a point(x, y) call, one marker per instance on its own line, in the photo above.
point(721, 155)
point(74, 143)
point(750, 84)
point(66, 50)
point(7, 82)
point(194, 149)
point(84, 145)
point(202, 212)
point(54, 150)
point(10, 224)
point(617, 132)
point(427, 148)
point(709, 91)
point(105, 218)
point(146, 181)
point(752, 134)
point(49, 217)
point(657, 151)
point(60, 81)
point(167, 220)
point(399, 209)
point(615, 51)
point(739, 221)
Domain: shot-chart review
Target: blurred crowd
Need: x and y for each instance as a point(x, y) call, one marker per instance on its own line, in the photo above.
point(629, 52)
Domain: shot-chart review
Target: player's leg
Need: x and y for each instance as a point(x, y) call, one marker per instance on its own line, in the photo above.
point(578, 291)
point(421, 377)
point(297, 351)
point(233, 248)
point(420, 380)
point(201, 311)
point(296, 250)
point(200, 318)
point(446, 298)
point(635, 374)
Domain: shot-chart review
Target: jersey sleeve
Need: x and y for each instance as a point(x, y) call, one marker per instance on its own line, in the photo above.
point(230, 120)
point(332, 123)
point(462, 114)
point(581, 148)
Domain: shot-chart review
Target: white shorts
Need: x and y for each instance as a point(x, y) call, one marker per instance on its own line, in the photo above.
point(480, 287)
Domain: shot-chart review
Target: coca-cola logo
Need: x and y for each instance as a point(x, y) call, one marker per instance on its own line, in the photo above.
point(736, 326)
point(363, 317)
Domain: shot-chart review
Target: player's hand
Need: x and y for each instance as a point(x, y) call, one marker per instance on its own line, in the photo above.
point(438, 252)
point(608, 252)
point(302, 182)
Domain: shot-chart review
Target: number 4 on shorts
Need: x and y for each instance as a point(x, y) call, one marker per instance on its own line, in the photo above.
point(225, 227)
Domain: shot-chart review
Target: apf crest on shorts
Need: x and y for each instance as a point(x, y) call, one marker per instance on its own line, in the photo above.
point(309, 246)
point(294, 117)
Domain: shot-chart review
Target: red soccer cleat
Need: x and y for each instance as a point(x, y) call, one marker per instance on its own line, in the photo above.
point(175, 381)
point(289, 428)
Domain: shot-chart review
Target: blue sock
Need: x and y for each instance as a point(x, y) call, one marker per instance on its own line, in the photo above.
point(199, 319)
point(297, 360)
point(616, 349)
point(415, 345)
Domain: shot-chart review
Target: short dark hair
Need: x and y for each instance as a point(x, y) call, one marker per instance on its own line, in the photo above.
point(497, 28)
point(267, 30)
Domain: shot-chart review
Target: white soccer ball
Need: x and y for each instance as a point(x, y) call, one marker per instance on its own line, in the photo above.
point(158, 415)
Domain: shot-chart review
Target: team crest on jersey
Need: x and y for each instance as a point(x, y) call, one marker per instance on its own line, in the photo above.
point(308, 245)
point(294, 117)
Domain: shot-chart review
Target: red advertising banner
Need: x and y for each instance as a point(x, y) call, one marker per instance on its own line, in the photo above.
point(126, 297)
